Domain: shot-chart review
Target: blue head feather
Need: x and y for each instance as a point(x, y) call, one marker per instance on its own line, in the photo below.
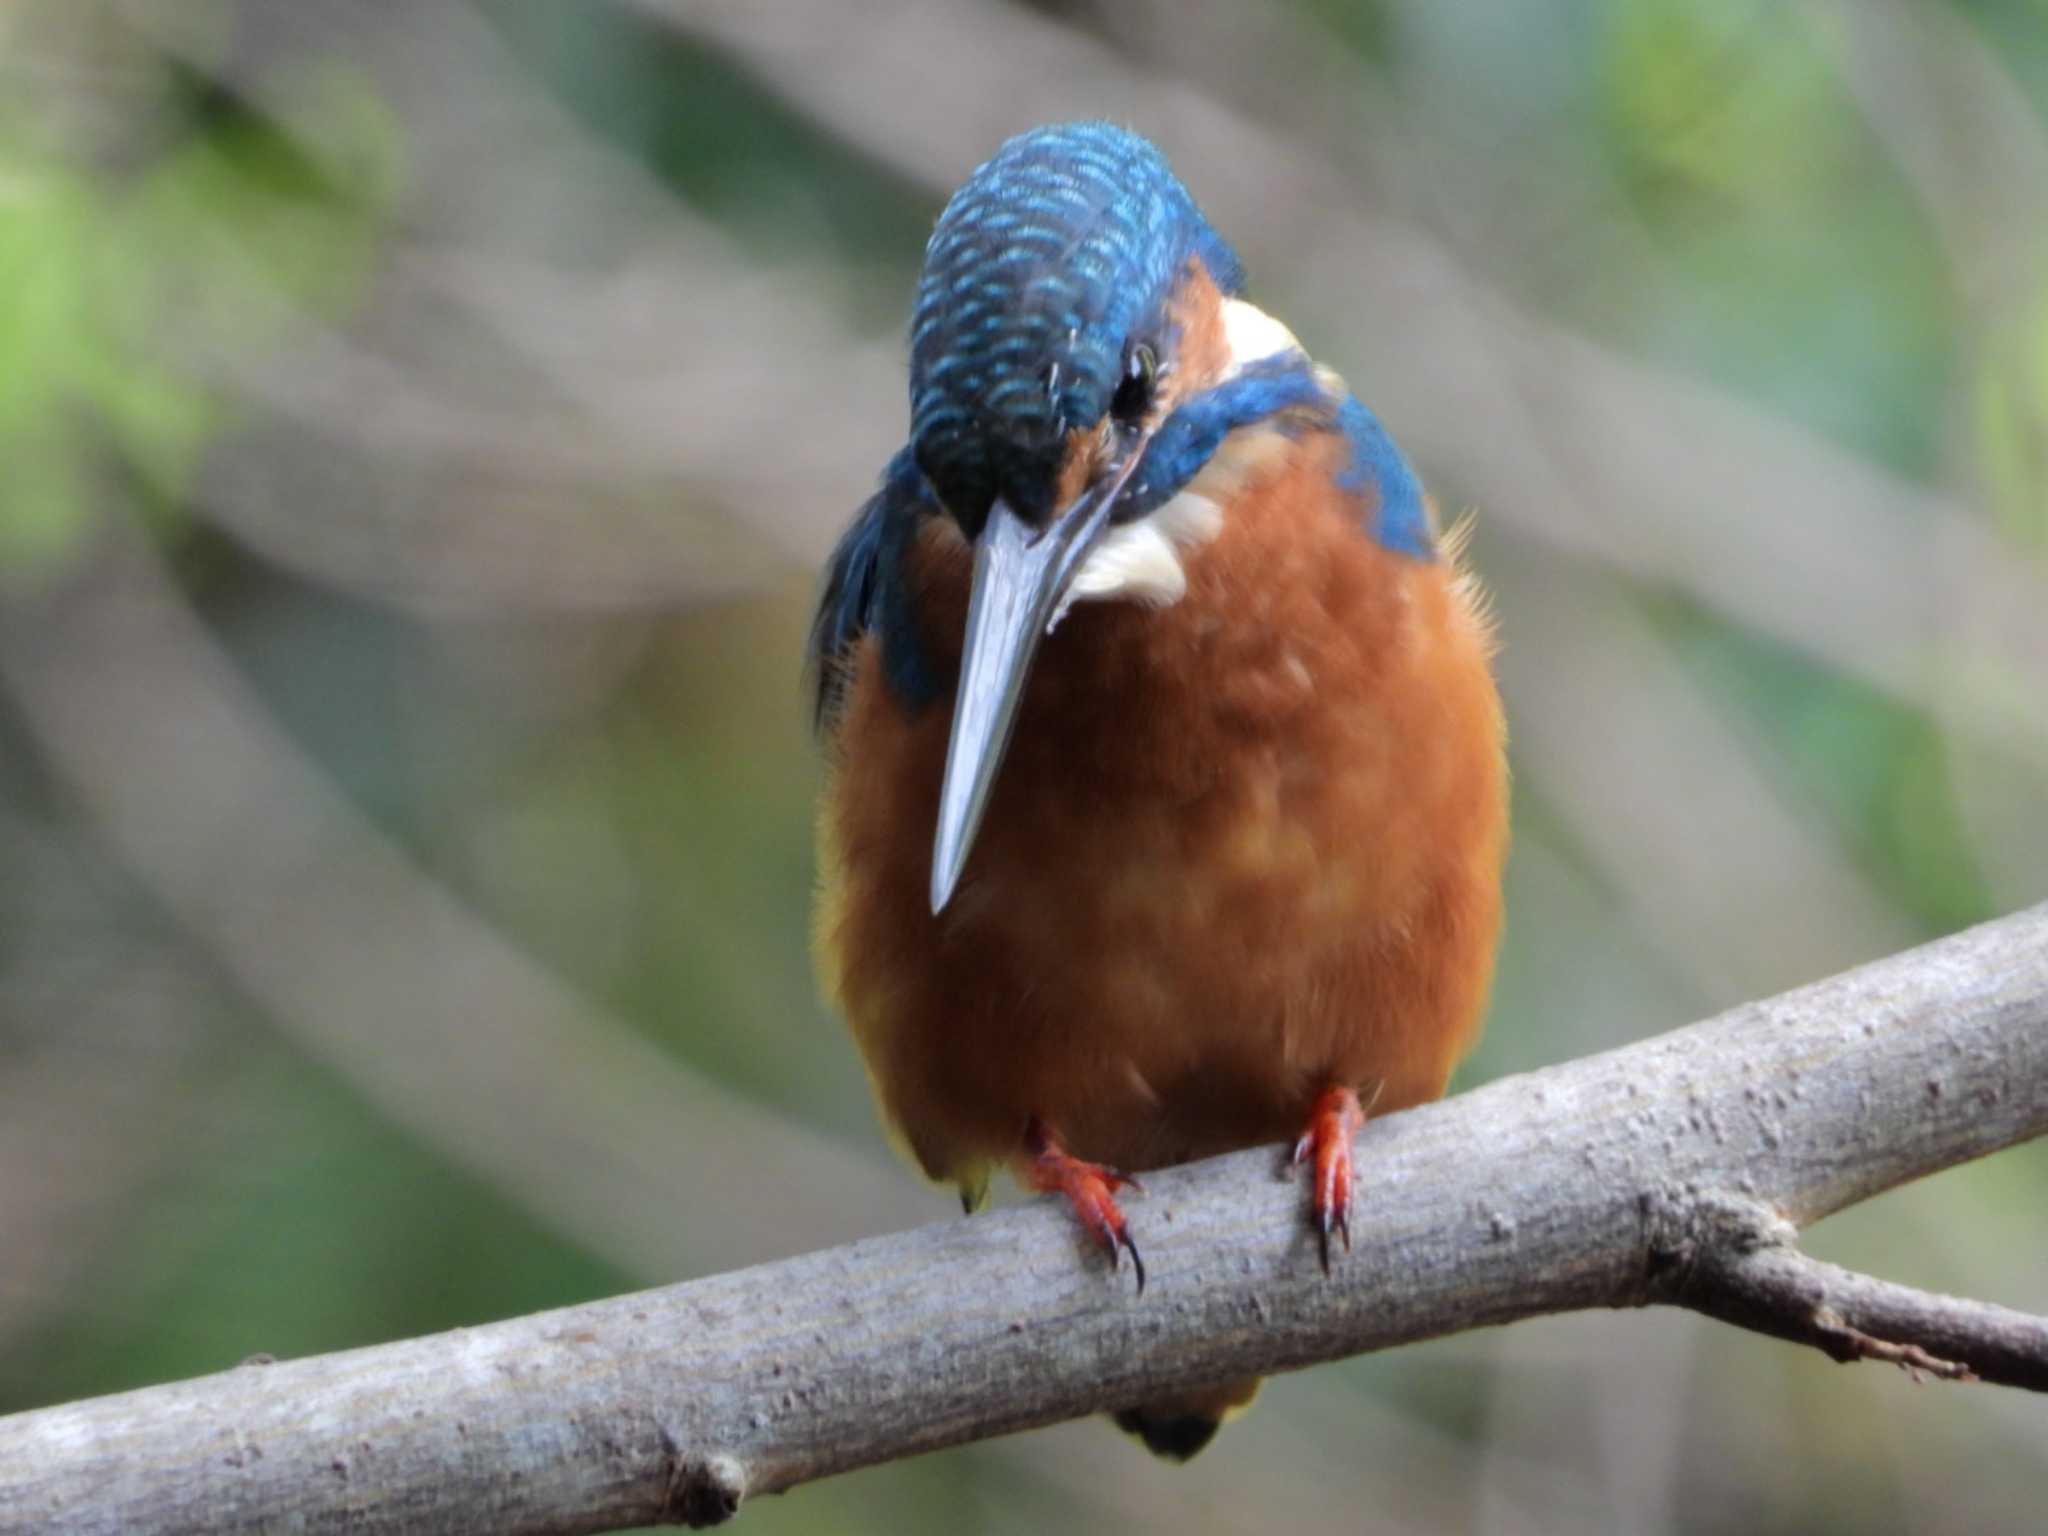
point(1049, 259)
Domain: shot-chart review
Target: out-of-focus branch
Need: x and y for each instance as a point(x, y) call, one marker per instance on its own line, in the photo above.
point(362, 958)
point(1673, 1172)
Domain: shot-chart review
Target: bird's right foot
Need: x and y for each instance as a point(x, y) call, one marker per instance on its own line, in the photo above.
point(1326, 1146)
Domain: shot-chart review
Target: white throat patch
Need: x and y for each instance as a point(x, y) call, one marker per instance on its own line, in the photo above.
point(1140, 561)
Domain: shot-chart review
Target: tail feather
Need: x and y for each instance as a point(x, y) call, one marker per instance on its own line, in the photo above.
point(1177, 1427)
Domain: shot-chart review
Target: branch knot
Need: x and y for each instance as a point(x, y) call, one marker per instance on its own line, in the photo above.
point(702, 1490)
point(1686, 1229)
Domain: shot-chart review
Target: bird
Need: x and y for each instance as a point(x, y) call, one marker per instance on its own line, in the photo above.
point(1165, 799)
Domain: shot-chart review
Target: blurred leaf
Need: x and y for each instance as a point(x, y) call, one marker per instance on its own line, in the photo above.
point(1364, 25)
point(1729, 102)
point(1876, 768)
point(732, 146)
point(240, 221)
point(2017, 30)
point(45, 234)
point(110, 289)
point(1793, 261)
point(2012, 422)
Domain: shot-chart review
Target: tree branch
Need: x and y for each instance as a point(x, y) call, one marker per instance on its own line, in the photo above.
point(1674, 1171)
point(1738, 1263)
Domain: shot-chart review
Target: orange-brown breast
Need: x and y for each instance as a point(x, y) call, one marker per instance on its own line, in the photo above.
point(1241, 847)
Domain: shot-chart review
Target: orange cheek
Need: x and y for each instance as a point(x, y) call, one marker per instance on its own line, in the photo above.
point(1202, 347)
point(1087, 456)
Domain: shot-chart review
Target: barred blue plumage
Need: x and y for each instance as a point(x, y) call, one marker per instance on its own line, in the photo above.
point(1039, 271)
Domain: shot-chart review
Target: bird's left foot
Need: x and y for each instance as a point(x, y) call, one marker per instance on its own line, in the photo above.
point(1090, 1189)
point(1326, 1146)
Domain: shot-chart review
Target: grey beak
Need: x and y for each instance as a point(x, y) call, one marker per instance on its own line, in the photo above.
point(1020, 575)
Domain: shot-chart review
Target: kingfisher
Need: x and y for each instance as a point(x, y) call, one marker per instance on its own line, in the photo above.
point(1166, 796)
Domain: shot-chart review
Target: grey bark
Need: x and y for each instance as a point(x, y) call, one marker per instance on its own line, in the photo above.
point(1673, 1171)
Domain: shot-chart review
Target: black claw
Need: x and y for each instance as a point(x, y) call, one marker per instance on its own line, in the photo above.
point(1331, 1220)
point(1137, 1264)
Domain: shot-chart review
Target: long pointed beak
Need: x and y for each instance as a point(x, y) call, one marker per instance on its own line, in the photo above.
point(1020, 575)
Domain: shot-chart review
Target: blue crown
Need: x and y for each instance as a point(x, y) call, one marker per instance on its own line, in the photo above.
point(1048, 259)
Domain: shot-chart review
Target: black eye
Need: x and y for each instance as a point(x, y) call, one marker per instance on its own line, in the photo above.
point(1133, 396)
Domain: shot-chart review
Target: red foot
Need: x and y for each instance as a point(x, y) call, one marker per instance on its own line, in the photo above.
point(1089, 1188)
point(1331, 1125)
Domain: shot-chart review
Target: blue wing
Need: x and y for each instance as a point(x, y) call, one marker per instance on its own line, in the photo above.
point(864, 590)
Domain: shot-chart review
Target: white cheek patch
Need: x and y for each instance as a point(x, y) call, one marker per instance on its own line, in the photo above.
point(1253, 335)
point(1140, 561)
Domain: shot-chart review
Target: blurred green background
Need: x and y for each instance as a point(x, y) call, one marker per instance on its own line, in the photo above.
point(418, 430)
